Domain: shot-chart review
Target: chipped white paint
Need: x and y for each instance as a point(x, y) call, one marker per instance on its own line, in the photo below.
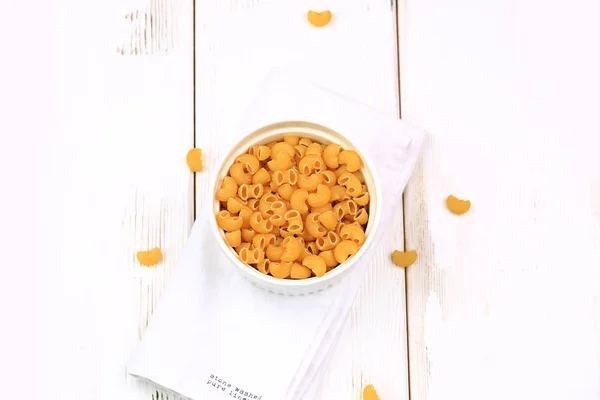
point(503, 301)
point(106, 164)
point(152, 30)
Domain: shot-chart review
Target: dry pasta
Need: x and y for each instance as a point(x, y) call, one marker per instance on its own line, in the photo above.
point(353, 232)
point(242, 246)
point(234, 238)
point(362, 199)
point(294, 208)
point(309, 182)
point(298, 201)
point(261, 152)
point(300, 271)
point(322, 209)
point(261, 177)
point(295, 223)
point(264, 205)
point(328, 219)
point(338, 193)
point(247, 235)
point(314, 148)
point(344, 250)
point(263, 266)
point(280, 270)
point(329, 259)
point(245, 214)
point(313, 226)
point(249, 255)
point(291, 139)
point(253, 204)
point(292, 248)
point(286, 191)
point(351, 182)
point(346, 207)
point(274, 252)
point(300, 151)
point(329, 178)
point(362, 217)
point(240, 176)
point(234, 205)
point(331, 154)
point(315, 264)
point(262, 240)
point(307, 237)
point(350, 159)
point(311, 247)
point(321, 197)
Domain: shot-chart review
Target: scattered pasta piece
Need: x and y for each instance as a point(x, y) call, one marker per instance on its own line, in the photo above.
point(369, 393)
point(319, 19)
point(194, 159)
point(150, 257)
point(294, 208)
point(404, 258)
point(457, 206)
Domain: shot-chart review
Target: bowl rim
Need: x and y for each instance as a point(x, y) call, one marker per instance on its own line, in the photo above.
point(300, 128)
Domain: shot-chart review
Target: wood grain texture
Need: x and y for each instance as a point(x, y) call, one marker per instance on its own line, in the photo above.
point(504, 300)
point(237, 42)
point(113, 181)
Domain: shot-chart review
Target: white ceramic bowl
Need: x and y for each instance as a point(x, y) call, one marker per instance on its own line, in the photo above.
point(323, 135)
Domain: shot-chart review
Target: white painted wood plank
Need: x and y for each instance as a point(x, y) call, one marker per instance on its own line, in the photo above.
point(504, 302)
point(236, 44)
point(104, 149)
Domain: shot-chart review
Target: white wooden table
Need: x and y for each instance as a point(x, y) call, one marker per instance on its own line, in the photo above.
point(503, 302)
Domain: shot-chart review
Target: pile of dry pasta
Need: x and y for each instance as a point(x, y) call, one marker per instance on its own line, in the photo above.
point(294, 208)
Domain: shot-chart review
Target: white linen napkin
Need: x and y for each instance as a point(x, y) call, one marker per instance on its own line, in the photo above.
point(215, 336)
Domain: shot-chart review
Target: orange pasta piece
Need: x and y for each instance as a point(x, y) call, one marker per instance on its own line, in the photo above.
point(319, 19)
point(194, 159)
point(150, 257)
point(457, 206)
point(369, 393)
point(404, 258)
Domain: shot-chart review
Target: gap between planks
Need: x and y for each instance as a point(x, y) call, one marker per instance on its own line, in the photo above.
point(404, 244)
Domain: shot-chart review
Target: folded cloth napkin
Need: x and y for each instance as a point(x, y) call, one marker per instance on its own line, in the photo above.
point(215, 336)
